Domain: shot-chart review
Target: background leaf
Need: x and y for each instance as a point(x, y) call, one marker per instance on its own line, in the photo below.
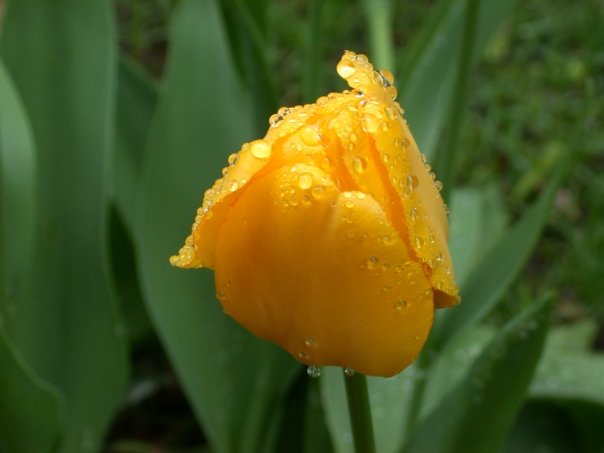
point(233, 380)
point(30, 418)
point(476, 222)
point(480, 410)
point(496, 271)
point(428, 71)
point(137, 96)
point(66, 326)
point(27, 404)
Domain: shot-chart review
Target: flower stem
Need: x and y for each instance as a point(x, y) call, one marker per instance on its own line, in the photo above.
point(360, 413)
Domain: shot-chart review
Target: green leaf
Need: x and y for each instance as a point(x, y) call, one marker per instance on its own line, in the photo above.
point(246, 26)
point(481, 409)
point(66, 325)
point(496, 271)
point(430, 63)
point(234, 381)
point(453, 363)
point(542, 426)
point(30, 418)
point(137, 96)
point(379, 23)
point(568, 370)
point(476, 223)
point(17, 195)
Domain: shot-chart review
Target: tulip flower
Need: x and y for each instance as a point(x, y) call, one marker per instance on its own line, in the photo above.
point(328, 236)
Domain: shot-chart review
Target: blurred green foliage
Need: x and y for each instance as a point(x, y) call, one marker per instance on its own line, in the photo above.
point(115, 117)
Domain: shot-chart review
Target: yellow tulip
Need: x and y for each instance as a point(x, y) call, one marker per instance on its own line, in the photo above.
point(329, 235)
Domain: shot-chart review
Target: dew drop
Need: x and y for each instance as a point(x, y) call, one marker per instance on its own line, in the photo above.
point(353, 137)
point(318, 191)
point(305, 181)
point(233, 158)
point(274, 120)
point(303, 354)
point(387, 76)
point(345, 69)
point(419, 242)
point(260, 150)
point(359, 164)
point(313, 371)
point(372, 262)
point(349, 372)
point(413, 214)
point(412, 182)
point(310, 341)
point(234, 186)
point(438, 185)
point(370, 123)
point(310, 136)
point(397, 142)
point(401, 304)
point(386, 288)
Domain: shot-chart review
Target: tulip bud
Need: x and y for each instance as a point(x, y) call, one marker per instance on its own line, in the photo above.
point(329, 235)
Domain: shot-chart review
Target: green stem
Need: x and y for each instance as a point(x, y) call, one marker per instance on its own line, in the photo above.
point(360, 413)
point(445, 162)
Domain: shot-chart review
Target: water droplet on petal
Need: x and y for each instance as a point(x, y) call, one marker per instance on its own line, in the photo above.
point(274, 120)
point(310, 341)
point(313, 371)
point(234, 186)
point(260, 149)
point(318, 191)
point(359, 164)
point(419, 242)
point(413, 214)
point(233, 158)
point(345, 69)
point(401, 304)
point(348, 371)
point(305, 181)
point(372, 262)
point(412, 182)
point(370, 123)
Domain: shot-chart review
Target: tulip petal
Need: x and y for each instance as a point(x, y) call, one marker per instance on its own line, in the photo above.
point(323, 273)
point(198, 250)
point(425, 218)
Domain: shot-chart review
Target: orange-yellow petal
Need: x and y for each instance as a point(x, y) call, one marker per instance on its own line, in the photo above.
point(323, 273)
point(424, 213)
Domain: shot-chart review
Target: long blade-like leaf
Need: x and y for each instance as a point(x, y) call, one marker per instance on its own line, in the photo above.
point(30, 419)
point(62, 58)
point(496, 271)
point(477, 414)
point(429, 71)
